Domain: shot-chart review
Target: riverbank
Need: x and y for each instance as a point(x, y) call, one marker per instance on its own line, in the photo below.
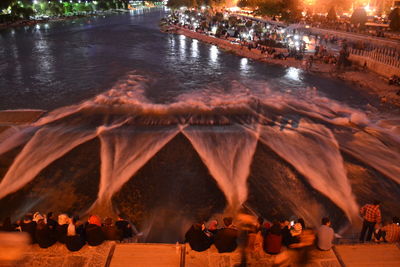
point(32, 22)
point(366, 81)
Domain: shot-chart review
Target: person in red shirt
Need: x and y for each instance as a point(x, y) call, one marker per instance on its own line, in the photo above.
point(371, 215)
point(273, 240)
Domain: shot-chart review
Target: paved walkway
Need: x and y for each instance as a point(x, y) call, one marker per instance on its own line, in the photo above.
point(146, 255)
point(373, 255)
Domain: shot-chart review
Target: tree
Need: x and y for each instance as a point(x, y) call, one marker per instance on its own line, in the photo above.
point(332, 14)
point(270, 8)
point(394, 18)
point(359, 16)
point(291, 11)
point(4, 4)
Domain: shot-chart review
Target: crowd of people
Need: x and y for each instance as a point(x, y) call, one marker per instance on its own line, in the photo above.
point(45, 230)
point(271, 237)
point(278, 236)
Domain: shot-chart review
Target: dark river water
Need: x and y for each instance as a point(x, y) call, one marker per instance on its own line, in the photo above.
point(170, 130)
point(62, 63)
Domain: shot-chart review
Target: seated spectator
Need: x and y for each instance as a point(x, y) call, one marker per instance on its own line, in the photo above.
point(51, 223)
point(45, 237)
point(111, 232)
point(94, 234)
point(391, 232)
point(29, 226)
point(7, 226)
point(124, 226)
point(197, 237)
point(74, 240)
point(273, 240)
point(36, 217)
point(61, 229)
point(226, 238)
point(302, 223)
point(213, 227)
point(325, 235)
point(287, 238)
point(296, 229)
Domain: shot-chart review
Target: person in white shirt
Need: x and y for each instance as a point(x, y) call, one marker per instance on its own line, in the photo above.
point(325, 235)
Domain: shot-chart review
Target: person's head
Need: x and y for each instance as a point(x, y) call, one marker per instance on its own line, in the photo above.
point(94, 219)
point(228, 221)
point(63, 219)
point(326, 221)
point(121, 217)
point(28, 217)
point(49, 215)
point(212, 225)
point(376, 202)
point(396, 220)
point(108, 221)
point(275, 228)
point(284, 223)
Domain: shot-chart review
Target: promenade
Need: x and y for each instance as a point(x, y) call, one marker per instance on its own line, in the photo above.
point(111, 254)
point(369, 82)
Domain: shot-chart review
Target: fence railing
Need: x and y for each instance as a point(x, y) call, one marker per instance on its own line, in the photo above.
point(388, 57)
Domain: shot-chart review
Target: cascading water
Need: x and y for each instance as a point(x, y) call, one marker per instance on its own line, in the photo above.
point(227, 152)
point(311, 142)
point(124, 151)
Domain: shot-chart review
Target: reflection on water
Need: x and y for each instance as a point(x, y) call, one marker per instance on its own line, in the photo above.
point(195, 48)
point(293, 73)
point(214, 55)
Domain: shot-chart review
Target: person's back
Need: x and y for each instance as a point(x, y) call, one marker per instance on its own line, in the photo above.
point(51, 223)
point(94, 235)
point(392, 231)
point(273, 240)
point(111, 232)
point(197, 238)
point(226, 240)
point(29, 226)
point(325, 235)
point(61, 233)
point(74, 241)
point(125, 227)
point(44, 236)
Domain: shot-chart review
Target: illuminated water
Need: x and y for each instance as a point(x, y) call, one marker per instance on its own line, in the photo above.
point(169, 130)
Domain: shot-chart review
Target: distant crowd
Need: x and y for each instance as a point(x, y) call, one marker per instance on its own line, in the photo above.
point(45, 230)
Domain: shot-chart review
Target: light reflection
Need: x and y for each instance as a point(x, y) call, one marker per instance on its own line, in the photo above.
point(293, 74)
point(244, 66)
point(195, 48)
point(214, 54)
point(182, 46)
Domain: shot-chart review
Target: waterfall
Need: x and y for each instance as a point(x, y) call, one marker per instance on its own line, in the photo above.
point(47, 145)
point(313, 150)
point(227, 151)
point(124, 151)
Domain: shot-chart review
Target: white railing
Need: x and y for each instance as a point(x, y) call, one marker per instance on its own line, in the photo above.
point(385, 56)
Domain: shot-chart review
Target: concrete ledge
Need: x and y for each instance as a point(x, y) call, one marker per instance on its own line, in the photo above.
point(363, 255)
point(59, 256)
